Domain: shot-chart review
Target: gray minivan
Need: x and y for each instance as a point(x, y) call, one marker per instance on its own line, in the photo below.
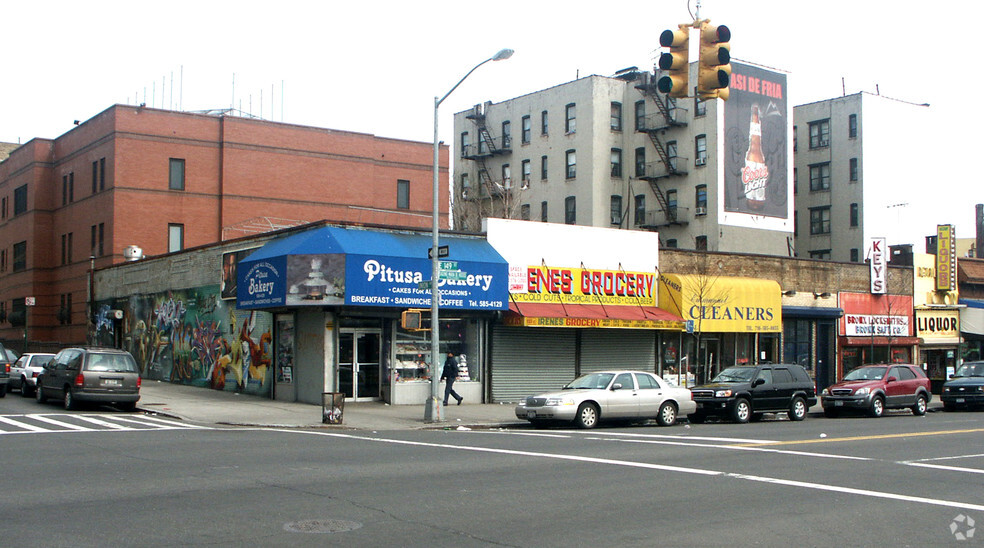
point(90, 374)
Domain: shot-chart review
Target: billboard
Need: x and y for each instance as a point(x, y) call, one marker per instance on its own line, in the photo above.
point(757, 189)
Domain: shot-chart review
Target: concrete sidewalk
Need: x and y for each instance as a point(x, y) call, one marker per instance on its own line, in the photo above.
point(201, 405)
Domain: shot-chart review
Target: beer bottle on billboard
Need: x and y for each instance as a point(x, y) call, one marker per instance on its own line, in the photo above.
point(755, 174)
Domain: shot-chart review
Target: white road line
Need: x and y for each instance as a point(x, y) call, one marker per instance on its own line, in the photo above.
point(19, 424)
point(68, 426)
point(662, 467)
point(942, 467)
point(979, 455)
point(95, 420)
point(178, 424)
point(667, 436)
point(742, 448)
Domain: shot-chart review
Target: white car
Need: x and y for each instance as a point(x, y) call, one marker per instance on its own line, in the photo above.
point(24, 372)
point(621, 394)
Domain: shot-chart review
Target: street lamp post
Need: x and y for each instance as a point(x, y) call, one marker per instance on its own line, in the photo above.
point(434, 411)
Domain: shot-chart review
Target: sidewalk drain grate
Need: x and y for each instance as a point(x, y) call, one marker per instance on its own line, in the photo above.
point(321, 526)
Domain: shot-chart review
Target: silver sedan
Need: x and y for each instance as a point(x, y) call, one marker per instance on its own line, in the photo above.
point(609, 395)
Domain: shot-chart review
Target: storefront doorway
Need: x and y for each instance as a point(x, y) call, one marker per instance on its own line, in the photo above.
point(358, 363)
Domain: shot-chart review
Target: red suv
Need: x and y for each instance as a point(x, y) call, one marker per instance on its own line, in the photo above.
point(875, 388)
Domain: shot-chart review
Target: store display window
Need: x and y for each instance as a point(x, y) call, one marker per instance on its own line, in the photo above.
point(412, 359)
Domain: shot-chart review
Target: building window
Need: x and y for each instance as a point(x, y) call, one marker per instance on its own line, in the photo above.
point(176, 174)
point(616, 210)
point(68, 188)
point(506, 135)
point(700, 199)
point(20, 256)
point(700, 106)
point(527, 173)
point(820, 134)
point(3, 208)
point(65, 312)
point(543, 123)
point(854, 215)
point(102, 175)
point(852, 126)
point(527, 130)
point(701, 243)
point(402, 194)
point(543, 211)
point(98, 175)
point(98, 237)
point(671, 243)
point(570, 210)
point(465, 145)
point(65, 250)
point(570, 120)
point(671, 155)
point(795, 181)
point(820, 177)
point(796, 223)
point(640, 162)
point(671, 205)
point(571, 164)
point(3, 260)
point(543, 168)
point(795, 140)
point(465, 182)
point(700, 146)
point(640, 115)
point(506, 176)
point(616, 162)
point(20, 200)
point(821, 254)
point(640, 209)
point(854, 169)
point(616, 121)
point(175, 237)
point(855, 255)
point(820, 220)
point(524, 212)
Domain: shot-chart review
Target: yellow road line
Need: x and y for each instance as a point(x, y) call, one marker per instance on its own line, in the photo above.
point(857, 438)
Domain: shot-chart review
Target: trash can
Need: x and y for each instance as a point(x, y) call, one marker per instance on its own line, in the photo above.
point(332, 407)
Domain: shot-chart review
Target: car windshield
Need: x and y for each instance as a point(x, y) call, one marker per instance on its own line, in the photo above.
point(735, 374)
point(118, 363)
point(593, 381)
point(866, 374)
point(970, 370)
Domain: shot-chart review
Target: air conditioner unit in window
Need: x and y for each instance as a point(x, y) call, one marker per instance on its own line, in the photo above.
point(465, 193)
point(701, 161)
point(700, 210)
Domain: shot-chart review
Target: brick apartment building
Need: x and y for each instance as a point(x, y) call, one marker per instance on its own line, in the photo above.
point(166, 181)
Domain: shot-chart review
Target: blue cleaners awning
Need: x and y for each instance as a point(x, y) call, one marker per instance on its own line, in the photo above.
point(363, 267)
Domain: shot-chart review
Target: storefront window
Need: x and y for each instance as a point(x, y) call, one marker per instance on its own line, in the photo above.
point(796, 343)
point(412, 361)
point(768, 348)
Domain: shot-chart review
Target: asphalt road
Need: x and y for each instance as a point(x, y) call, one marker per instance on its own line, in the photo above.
point(898, 480)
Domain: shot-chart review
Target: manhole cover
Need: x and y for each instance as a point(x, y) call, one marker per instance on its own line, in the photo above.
point(321, 526)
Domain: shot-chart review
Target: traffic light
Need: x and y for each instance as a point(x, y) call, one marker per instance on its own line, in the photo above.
point(676, 63)
point(415, 319)
point(714, 64)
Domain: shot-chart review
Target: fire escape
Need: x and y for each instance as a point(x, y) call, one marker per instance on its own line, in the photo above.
point(483, 151)
point(667, 117)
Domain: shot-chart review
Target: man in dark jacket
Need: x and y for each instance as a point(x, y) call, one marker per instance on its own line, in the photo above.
point(450, 373)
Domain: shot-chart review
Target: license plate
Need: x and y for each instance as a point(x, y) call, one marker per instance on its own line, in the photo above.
point(531, 414)
point(960, 400)
point(838, 403)
point(112, 382)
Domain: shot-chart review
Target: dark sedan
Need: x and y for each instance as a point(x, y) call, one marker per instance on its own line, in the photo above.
point(965, 389)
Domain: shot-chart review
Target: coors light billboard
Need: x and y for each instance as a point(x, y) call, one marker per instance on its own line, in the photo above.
point(757, 185)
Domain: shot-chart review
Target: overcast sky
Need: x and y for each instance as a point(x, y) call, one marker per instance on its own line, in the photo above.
point(376, 66)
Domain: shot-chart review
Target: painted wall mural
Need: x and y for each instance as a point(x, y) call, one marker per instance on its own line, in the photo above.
point(193, 337)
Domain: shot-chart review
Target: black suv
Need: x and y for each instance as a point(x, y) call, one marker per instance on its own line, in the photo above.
point(745, 392)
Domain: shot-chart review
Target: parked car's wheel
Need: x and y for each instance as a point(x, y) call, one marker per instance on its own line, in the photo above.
point(25, 389)
point(877, 407)
point(3, 390)
point(831, 413)
point(39, 392)
point(127, 406)
point(69, 399)
point(667, 414)
point(756, 417)
point(587, 416)
point(949, 407)
point(697, 418)
point(797, 409)
point(742, 411)
point(919, 408)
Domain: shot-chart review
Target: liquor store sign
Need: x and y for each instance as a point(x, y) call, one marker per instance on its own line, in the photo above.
point(938, 326)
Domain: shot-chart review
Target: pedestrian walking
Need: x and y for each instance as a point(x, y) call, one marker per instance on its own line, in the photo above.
point(450, 374)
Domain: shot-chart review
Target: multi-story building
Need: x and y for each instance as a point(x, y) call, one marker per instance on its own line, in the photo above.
point(165, 181)
point(614, 152)
point(852, 180)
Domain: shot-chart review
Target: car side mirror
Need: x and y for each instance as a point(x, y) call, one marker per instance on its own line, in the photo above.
point(617, 386)
point(891, 379)
point(758, 382)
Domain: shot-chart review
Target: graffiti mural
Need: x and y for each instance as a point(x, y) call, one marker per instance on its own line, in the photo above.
point(193, 337)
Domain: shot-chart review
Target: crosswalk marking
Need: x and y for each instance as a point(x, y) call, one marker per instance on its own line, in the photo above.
point(33, 423)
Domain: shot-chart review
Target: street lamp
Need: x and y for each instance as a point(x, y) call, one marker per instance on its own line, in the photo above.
point(434, 411)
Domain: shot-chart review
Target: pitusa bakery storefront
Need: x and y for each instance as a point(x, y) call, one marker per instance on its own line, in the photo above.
point(581, 299)
point(337, 294)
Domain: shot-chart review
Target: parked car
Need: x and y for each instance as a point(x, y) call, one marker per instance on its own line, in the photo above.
point(24, 372)
point(90, 374)
point(605, 395)
point(746, 392)
point(875, 388)
point(965, 388)
point(4, 371)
